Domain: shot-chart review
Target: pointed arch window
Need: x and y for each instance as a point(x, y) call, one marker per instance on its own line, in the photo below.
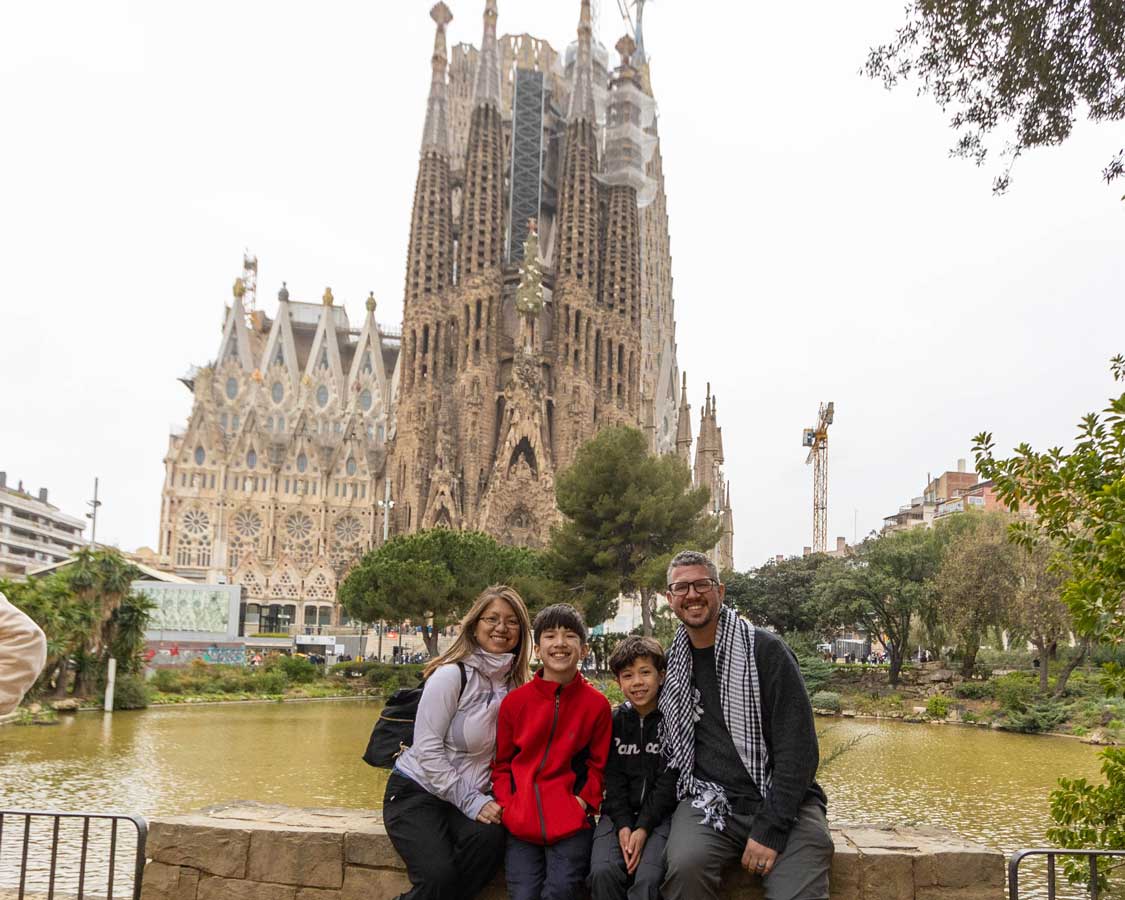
point(281, 423)
point(322, 396)
point(279, 356)
point(323, 363)
point(277, 392)
point(367, 361)
point(251, 459)
point(200, 456)
point(365, 399)
point(350, 466)
point(302, 462)
point(232, 387)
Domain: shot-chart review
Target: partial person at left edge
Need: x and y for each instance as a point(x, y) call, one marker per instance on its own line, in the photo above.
point(23, 653)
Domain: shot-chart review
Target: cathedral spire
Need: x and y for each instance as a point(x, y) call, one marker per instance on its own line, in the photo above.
point(683, 425)
point(429, 259)
point(577, 254)
point(487, 88)
point(435, 133)
point(482, 199)
point(582, 95)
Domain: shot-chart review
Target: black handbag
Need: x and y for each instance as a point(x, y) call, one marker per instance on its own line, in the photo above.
point(394, 729)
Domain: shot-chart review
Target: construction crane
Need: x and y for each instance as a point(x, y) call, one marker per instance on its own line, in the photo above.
point(816, 439)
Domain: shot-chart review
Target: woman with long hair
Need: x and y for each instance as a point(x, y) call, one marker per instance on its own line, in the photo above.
point(436, 809)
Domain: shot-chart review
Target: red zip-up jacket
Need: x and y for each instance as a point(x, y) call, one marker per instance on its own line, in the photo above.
point(552, 743)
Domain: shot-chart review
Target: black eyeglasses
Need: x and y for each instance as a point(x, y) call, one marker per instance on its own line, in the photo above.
point(702, 586)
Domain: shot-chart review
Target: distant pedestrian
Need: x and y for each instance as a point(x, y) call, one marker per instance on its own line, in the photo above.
point(23, 653)
point(437, 809)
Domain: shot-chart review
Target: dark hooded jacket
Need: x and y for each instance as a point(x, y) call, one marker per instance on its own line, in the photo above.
point(640, 789)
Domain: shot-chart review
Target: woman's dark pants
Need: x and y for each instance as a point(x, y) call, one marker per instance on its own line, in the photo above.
point(448, 856)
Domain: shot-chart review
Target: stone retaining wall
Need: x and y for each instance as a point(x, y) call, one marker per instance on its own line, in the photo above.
point(250, 851)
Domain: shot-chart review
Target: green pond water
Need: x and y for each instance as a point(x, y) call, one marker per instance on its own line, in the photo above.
point(986, 786)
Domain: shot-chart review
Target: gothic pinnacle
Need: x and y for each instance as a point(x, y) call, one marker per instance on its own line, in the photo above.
point(582, 96)
point(370, 302)
point(435, 134)
point(626, 46)
point(487, 88)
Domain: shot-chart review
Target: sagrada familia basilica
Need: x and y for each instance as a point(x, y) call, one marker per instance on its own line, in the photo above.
point(537, 310)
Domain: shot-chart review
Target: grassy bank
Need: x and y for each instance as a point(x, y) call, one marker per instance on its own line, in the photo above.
point(1011, 701)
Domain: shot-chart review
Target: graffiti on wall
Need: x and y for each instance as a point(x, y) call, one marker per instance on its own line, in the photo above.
point(165, 654)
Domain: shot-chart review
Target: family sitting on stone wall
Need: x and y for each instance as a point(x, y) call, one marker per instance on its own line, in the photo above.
point(710, 760)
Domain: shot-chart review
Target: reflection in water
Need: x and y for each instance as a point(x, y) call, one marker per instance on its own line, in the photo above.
point(986, 786)
point(990, 787)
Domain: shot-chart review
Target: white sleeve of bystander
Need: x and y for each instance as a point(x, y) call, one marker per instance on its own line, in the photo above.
point(23, 652)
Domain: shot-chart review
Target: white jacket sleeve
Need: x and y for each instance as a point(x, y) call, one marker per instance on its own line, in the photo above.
point(23, 652)
point(436, 709)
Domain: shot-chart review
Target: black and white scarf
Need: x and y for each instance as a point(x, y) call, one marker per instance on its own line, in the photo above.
point(741, 700)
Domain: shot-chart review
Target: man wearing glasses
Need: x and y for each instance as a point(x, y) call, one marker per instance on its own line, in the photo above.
point(739, 728)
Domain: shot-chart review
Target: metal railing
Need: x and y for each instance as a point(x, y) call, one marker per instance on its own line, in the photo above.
point(87, 862)
point(1051, 853)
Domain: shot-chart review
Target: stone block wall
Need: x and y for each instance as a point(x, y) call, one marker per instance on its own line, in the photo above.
point(250, 851)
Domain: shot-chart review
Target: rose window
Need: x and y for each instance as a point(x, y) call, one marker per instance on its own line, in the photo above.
point(196, 522)
point(247, 524)
point(298, 526)
point(348, 530)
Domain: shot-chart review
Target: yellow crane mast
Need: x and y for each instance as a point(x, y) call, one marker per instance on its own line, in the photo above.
point(816, 439)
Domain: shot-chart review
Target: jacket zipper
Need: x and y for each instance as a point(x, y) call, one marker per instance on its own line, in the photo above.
point(644, 761)
point(542, 763)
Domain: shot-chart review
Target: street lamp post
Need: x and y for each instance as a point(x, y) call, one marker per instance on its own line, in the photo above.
point(386, 505)
point(92, 515)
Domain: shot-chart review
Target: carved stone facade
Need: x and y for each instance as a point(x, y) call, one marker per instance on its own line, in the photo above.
point(496, 395)
point(273, 483)
point(523, 335)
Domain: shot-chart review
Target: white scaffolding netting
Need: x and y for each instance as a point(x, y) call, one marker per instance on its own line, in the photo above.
point(629, 141)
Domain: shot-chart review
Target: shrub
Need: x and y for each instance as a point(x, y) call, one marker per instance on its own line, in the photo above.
point(296, 669)
point(272, 682)
point(1043, 716)
point(130, 692)
point(1014, 692)
point(816, 672)
point(974, 690)
point(829, 700)
point(938, 706)
point(388, 678)
point(969, 716)
point(167, 681)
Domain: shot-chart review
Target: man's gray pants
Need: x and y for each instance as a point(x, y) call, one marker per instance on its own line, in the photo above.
point(609, 879)
point(697, 854)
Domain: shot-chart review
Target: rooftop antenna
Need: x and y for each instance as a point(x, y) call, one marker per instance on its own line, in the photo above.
point(92, 515)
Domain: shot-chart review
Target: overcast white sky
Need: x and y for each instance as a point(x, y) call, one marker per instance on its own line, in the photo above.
point(825, 246)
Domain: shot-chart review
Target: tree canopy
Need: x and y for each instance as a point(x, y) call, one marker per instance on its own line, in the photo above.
point(89, 612)
point(882, 588)
point(780, 595)
point(976, 582)
point(1079, 501)
point(626, 512)
point(431, 577)
point(1027, 68)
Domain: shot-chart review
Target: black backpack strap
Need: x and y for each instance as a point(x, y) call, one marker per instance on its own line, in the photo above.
point(464, 680)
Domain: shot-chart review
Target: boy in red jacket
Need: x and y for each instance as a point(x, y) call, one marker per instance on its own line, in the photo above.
point(552, 742)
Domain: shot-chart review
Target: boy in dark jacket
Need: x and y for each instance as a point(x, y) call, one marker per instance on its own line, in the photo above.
point(640, 790)
point(552, 739)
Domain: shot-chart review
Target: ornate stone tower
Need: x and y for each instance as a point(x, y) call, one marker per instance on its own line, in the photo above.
point(557, 318)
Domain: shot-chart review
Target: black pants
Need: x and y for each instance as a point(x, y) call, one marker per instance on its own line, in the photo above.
point(609, 878)
point(555, 872)
point(448, 856)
